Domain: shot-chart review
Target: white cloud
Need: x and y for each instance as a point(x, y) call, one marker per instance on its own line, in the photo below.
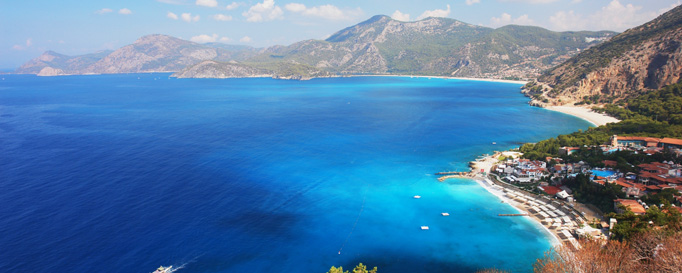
point(329, 12)
point(173, 2)
point(172, 15)
point(295, 7)
point(29, 43)
point(614, 16)
point(564, 21)
point(245, 39)
point(125, 11)
point(225, 39)
point(233, 5)
point(207, 3)
point(222, 17)
point(506, 19)
point(576, 1)
point(435, 13)
point(187, 17)
point(471, 2)
point(397, 15)
point(531, 1)
point(265, 11)
point(204, 38)
point(104, 10)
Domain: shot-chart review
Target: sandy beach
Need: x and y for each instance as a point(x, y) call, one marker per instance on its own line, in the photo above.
point(585, 113)
point(442, 77)
point(497, 191)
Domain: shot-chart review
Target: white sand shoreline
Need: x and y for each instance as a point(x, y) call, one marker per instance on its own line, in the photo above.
point(487, 185)
point(584, 113)
point(443, 77)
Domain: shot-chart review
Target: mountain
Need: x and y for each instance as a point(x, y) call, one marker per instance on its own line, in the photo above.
point(636, 61)
point(434, 46)
point(53, 63)
point(380, 45)
point(151, 53)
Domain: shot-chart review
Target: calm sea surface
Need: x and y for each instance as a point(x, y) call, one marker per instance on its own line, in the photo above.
point(123, 173)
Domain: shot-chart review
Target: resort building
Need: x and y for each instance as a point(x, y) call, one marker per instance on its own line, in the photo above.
point(646, 142)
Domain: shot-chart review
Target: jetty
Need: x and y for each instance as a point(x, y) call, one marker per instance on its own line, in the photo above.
point(453, 175)
point(513, 214)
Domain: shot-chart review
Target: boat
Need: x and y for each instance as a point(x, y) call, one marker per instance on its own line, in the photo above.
point(425, 227)
point(163, 269)
point(494, 143)
point(417, 197)
point(445, 214)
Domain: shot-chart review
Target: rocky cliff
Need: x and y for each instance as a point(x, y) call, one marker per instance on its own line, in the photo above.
point(636, 61)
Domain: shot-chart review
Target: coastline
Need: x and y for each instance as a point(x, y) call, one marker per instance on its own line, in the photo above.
point(584, 113)
point(488, 186)
point(486, 164)
point(442, 77)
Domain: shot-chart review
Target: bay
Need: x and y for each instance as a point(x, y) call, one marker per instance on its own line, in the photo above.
point(123, 173)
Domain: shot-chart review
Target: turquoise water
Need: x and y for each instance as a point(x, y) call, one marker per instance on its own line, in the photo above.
point(123, 173)
point(603, 173)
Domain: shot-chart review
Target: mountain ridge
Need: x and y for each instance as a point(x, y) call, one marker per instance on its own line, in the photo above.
point(639, 60)
point(380, 45)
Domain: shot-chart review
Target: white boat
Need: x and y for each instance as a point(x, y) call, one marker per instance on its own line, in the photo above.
point(417, 197)
point(445, 214)
point(425, 227)
point(162, 269)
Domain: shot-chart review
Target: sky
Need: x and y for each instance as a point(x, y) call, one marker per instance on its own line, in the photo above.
point(30, 27)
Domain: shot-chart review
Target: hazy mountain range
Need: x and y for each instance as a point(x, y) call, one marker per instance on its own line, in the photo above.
point(380, 45)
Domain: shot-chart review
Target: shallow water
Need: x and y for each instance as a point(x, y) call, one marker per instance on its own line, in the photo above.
point(123, 173)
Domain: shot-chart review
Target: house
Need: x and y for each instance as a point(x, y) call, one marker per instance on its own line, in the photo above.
point(568, 150)
point(631, 205)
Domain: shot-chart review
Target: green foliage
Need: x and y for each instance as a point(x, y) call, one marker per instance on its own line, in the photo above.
point(585, 191)
point(666, 196)
point(630, 225)
point(360, 268)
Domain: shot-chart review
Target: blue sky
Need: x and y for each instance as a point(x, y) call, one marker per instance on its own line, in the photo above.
point(30, 27)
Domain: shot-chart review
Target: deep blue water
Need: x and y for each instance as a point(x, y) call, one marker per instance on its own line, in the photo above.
point(123, 173)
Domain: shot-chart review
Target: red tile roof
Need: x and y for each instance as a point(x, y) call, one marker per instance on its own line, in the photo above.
point(673, 141)
point(551, 190)
point(632, 205)
point(621, 181)
point(610, 163)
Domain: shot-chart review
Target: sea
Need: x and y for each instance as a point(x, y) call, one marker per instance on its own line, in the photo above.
point(129, 172)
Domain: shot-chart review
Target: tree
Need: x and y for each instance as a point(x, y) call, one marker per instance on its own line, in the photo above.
point(360, 268)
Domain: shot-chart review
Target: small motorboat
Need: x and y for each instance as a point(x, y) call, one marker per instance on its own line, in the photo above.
point(163, 269)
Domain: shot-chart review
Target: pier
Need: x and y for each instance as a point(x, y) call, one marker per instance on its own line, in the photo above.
point(448, 175)
point(513, 214)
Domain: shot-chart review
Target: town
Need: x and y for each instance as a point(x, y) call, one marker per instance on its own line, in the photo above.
point(546, 189)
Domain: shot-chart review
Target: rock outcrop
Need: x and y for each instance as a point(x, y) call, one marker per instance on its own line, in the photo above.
point(644, 58)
